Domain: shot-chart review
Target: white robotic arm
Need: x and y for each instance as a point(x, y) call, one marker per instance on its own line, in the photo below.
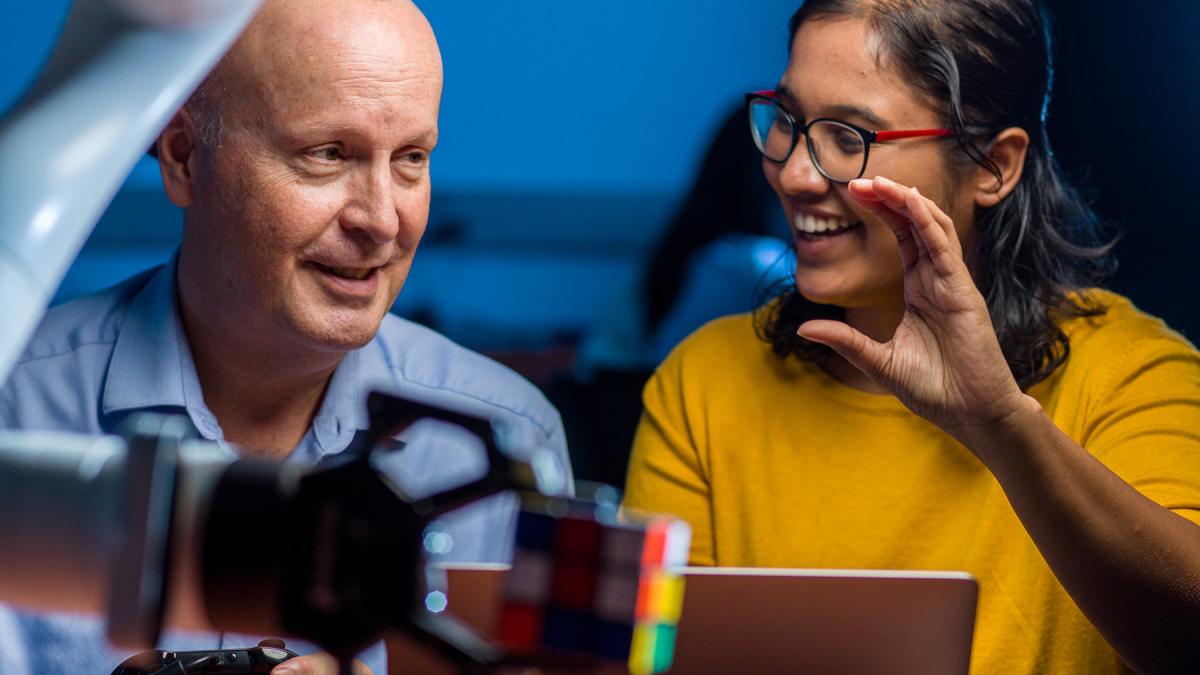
point(119, 71)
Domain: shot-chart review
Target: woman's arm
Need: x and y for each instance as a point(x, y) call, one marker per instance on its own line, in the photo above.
point(1131, 565)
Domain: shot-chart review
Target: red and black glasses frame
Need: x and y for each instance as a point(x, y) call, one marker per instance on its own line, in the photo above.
point(868, 136)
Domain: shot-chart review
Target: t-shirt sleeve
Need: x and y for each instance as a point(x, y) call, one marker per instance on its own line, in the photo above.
point(666, 474)
point(1144, 422)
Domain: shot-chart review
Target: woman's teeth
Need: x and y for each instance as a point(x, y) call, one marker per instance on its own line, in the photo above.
point(816, 225)
point(357, 273)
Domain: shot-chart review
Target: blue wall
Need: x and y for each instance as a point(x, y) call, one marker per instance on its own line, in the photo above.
point(553, 95)
point(615, 95)
point(568, 132)
point(31, 28)
point(570, 129)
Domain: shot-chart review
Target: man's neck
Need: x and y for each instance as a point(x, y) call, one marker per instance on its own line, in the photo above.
point(263, 395)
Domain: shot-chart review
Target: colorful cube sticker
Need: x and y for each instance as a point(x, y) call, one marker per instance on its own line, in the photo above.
point(660, 596)
point(622, 545)
point(535, 531)
point(574, 584)
point(584, 584)
point(653, 648)
point(617, 594)
point(577, 537)
point(520, 626)
point(531, 576)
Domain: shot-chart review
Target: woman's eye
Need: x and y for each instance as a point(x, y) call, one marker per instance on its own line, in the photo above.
point(849, 142)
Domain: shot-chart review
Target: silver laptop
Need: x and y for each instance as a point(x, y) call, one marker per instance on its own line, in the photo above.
point(738, 619)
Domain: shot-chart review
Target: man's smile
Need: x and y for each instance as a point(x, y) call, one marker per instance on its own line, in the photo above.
point(349, 281)
point(357, 273)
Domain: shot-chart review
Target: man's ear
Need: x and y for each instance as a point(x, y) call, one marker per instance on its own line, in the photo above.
point(176, 147)
point(1007, 152)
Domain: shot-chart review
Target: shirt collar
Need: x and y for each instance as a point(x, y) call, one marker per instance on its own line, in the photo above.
point(343, 412)
point(152, 367)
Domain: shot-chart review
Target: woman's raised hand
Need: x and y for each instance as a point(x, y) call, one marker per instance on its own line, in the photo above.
point(944, 361)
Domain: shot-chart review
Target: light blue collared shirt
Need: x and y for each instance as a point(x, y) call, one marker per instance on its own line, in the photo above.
point(96, 360)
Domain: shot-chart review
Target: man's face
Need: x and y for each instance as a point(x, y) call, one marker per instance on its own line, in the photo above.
point(307, 211)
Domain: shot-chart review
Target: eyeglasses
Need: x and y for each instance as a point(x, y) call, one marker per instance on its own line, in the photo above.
point(838, 149)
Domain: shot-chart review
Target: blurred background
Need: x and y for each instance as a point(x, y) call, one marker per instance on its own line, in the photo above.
point(596, 194)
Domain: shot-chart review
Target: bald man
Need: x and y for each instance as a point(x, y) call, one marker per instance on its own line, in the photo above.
point(302, 168)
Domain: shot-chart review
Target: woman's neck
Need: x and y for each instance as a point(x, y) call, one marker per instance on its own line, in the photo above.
point(878, 323)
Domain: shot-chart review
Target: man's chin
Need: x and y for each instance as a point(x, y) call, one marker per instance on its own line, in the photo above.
point(344, 342)
point(339, 334)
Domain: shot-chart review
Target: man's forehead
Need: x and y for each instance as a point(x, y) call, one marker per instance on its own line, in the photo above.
point(286, 15)
point(337, 18)
point(297, 42)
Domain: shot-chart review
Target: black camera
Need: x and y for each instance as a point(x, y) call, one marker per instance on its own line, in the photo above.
point(260, 659)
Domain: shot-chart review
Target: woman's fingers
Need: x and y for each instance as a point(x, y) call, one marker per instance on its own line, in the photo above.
point(863, 191)
point(909, 214)
point(887, 204)
point(867, 355)
point(944, 252)
point(896, 195)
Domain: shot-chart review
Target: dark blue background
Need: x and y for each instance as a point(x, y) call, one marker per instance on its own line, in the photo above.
point(570, 131)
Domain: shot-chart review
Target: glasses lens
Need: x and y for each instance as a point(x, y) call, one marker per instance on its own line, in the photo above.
point(771, 129)
point(837, 149)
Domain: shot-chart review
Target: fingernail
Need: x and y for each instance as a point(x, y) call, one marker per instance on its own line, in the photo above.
point(284, 670)
point(860, 183)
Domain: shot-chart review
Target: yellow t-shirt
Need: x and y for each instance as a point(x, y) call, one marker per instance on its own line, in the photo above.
point(776, 464)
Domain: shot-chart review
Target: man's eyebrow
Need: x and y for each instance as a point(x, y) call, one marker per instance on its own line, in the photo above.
point(307, 132)
point(429, 137)
point(839, 111)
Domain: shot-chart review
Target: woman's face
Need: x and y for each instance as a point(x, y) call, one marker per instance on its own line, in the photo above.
point(833, 72)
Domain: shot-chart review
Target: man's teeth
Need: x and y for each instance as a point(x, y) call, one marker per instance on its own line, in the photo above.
point(358, 273)
point(815, 224)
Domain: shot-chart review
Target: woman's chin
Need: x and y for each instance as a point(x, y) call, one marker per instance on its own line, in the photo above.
point(823, 295)
point(834, 290)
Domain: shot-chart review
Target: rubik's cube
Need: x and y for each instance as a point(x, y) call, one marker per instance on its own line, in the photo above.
point(584, 583)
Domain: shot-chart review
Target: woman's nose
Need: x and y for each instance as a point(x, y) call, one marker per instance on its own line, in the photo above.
point(799, 175)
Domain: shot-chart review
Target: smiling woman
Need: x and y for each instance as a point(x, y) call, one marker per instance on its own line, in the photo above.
point(1028, 251)
point(940, 386)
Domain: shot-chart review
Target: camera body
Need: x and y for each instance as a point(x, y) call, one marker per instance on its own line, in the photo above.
point(260, 659)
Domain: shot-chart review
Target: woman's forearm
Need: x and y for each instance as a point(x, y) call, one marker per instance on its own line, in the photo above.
point(1131, 565)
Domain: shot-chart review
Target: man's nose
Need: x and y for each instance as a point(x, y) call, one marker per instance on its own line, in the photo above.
point(371, 207)
point(800, 175)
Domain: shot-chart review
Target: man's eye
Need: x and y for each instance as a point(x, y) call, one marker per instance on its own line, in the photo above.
point(330, 153)
point(416, 157)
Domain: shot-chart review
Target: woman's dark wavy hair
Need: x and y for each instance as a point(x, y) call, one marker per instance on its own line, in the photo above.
point(985, 66)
